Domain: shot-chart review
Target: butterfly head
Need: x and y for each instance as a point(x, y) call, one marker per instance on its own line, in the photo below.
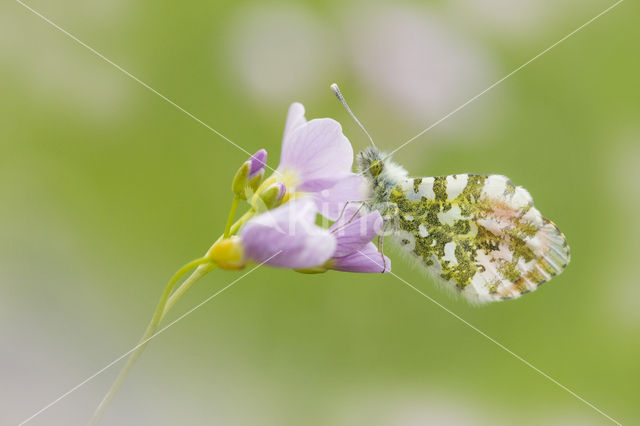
point(371, 163)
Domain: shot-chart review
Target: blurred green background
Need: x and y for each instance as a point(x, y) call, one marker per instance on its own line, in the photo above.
point(106, 189)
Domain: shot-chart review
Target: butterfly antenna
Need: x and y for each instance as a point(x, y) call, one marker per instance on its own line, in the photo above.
point(336, 91)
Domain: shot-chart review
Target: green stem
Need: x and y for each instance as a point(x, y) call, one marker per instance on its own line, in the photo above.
point(158, 314)
point(200, 272)
point(167, 301)
point(232, 214)
point(243, 219)
point(202, 269)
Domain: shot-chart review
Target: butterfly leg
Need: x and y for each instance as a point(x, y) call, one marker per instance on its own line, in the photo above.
point(344, 208)
point(390, 217)
point(356, 213)
point(390, 212)
point(362, 204)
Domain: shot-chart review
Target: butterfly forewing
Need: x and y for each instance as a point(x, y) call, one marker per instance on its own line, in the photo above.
point(479, 233)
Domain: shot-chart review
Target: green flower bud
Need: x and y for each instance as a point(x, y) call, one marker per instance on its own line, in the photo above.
point(255, 181)
point(269, 198)
point(249, 176)
point(240, 181)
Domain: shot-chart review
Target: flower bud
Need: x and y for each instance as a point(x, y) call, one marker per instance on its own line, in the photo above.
point(256, 171)
point(249, 175)
point(228, 253)
point(269, 198)
point(240, 180)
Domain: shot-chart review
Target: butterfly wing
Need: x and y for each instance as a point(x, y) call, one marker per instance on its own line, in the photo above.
point(479, 233)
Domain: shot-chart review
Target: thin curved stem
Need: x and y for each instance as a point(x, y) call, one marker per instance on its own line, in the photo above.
point(200, 272)
point(235, 227)
point(167, 301)
point(158, 314)
point(232, 214)
point(202, 269)
point(243, 219)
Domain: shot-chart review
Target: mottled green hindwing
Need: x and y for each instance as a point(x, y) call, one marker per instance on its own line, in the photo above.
point(479, 233)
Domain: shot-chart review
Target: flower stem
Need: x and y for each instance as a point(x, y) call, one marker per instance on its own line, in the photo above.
point(243, 219)
point(158, 315)
point(200, 272)
point(232, 214)
point(167, 301)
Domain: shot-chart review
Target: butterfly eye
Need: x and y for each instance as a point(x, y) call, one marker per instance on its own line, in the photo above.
point(375, 168)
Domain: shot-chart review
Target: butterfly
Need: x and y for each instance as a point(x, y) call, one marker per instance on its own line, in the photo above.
point(480, 234)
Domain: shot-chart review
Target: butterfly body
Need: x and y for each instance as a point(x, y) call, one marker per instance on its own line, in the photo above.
point(479, 233)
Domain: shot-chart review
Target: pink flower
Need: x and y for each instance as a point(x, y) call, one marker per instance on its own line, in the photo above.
point(316, 161)
point(287, 237)
point(314, 176)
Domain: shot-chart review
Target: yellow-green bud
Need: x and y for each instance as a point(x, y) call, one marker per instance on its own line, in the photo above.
point(255, 181)
point(249, 175)
point(228, 253)
point(240, 181)
point(269, 198)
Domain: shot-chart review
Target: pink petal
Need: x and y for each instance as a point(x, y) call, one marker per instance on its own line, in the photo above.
point(365, 260)
point(287, 237)
point(318, 153)
point(331, 201)
point(258, 162)
point(295, 119)
point(354, 234)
